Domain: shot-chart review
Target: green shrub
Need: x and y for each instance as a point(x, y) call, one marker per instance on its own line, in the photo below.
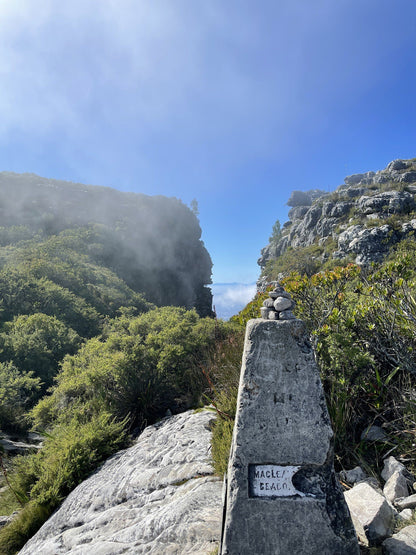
point(141, 367)
point(44, 478)
point(21, 529)
point(364, 335)
point(37, 343)
point(223, 375)
point(18, 390)
point(222, 434)
point(305, 260)
point(119, 382)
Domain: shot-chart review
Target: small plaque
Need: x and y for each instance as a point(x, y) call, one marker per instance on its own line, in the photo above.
point(272, 480)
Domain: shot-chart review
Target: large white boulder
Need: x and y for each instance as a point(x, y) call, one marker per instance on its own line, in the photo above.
point(158, 496)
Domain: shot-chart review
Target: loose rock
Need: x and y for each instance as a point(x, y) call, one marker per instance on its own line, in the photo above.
point(374, 433)
point(406, 514)
point(391, 465)
point(396, 487)
point(286, 315)
point(372, 516)
point(402, 543)
point(281, 303)
point(353, 476)
point(278, 306)
point(406, 502)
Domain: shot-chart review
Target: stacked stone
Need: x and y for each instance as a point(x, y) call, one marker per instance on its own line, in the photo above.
point(278, 306)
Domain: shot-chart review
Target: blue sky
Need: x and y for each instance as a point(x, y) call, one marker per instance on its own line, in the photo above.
point(234, 103)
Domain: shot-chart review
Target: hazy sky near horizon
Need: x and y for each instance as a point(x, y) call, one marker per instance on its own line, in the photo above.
point(234, 103)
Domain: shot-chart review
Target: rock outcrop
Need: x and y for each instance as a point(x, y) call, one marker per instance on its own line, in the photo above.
point(365, 216)
point(158, 496)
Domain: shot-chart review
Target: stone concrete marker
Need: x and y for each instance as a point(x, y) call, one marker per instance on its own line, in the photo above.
point(282, 494)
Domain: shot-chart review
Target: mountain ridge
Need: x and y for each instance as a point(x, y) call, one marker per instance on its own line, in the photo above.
point(358, 222)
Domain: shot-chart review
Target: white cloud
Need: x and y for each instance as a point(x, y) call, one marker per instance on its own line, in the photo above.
point(195, 69)
point(230, 298)
point(214, 84)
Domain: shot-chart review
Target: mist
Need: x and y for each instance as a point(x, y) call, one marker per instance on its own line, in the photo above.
point(152, 242)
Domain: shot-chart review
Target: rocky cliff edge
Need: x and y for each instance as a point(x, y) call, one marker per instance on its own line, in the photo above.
point(362, 219)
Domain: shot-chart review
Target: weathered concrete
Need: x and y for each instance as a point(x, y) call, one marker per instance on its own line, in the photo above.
point(283, 496)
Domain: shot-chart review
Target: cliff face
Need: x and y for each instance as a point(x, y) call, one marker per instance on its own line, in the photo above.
point(153, 243)
point(361, 220)
point(158, 496)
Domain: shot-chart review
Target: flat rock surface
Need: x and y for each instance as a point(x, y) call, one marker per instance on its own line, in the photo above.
point(158, 496)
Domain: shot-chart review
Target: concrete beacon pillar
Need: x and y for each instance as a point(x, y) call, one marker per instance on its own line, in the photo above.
point(282, 494)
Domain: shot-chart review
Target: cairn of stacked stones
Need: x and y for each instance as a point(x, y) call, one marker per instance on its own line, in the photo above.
point(279, 305)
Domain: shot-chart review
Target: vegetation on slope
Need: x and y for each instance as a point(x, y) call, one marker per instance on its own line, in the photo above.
point(153, 244)
point(89, 361)
point(116, 383)
point(85, 357)
point(363, 326)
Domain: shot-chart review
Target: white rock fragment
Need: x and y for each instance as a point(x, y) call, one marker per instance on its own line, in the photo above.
point(406, 502)
point(282, 303)
point(402, 543)
point(406, 514)
point(392, 465)
point(396, 487)
point(372, 516)
point(264, 311)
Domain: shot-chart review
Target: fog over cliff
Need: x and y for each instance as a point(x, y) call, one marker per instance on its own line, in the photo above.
point(152, 242)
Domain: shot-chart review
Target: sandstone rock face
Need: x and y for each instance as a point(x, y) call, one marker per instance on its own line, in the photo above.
point(398, 165)
point(158, 496)
point(346, 216)
point(390, 202)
